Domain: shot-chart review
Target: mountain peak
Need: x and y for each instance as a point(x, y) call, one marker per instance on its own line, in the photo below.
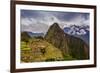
point(66, 43)
point(55, 25)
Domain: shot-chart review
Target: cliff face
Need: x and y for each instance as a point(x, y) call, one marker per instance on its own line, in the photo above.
point(69, 45)
point(77, 47)
point(56, 36)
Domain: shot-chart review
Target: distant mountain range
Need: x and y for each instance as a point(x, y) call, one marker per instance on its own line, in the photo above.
point(31, 34)
point(78, 31)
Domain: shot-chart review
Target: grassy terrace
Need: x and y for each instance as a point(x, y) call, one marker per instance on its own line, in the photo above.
point(38, 50)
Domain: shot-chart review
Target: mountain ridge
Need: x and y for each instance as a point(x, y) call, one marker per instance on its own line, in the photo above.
point(81, 32)
point(66, 43)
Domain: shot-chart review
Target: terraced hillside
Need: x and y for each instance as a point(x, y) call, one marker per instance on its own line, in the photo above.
point(37, 50)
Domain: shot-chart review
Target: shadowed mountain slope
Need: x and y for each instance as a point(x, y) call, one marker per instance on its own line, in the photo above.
point(69, 45)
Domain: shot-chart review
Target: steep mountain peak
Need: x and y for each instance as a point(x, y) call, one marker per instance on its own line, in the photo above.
point(54, 30)
point(55, 25)
point(57, 37)
point(66, 43)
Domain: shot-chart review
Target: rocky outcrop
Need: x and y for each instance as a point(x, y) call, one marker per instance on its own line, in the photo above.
point(67, 44)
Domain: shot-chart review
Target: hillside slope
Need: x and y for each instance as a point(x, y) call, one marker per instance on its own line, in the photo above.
point(38, 50)
point(69, 45)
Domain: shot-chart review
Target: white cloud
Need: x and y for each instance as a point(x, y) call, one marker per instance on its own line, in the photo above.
point(82, 31)
point(26, 21)
point(42, 24)
point(33, 25)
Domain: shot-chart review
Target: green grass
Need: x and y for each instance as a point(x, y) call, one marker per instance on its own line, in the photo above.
point(39, 50)
point(68, 57)
point(24, 46)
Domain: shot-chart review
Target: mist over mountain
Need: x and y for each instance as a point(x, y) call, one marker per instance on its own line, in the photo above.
point(31, 34)
point(81, 32)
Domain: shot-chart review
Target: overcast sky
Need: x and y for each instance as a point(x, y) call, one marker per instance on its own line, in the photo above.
point(40, 21)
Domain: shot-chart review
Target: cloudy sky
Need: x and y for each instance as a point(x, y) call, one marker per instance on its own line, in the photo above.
point(40, 21)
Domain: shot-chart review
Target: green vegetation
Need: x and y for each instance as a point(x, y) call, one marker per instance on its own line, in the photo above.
point(36, 50)
point(55, 46)
point(69, 45)
point(25, 37)
point(76, 48)
point(68, 57)
point(24, 46)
